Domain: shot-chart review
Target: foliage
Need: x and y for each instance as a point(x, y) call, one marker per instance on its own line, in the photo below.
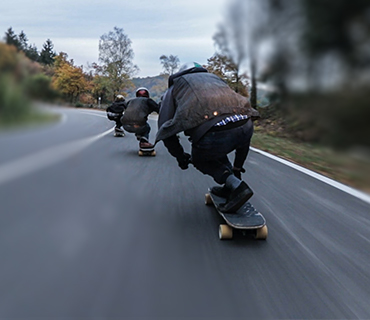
point(8, 58)
point(170, 64)
point(69, 79)
point(11, 38)
point(225, 68)
point(15, 70)
point(14, 104)
point(315, 54)
point(99, 89)
point(228, 59)
point(156, 86)
point(39, 87)
point(47, 53)
point(115, 56)
point(20, 42)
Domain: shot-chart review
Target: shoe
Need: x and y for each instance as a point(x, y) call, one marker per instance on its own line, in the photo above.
point(145, 144)
point(237, 198)
point(222, 192)
point(118, 132)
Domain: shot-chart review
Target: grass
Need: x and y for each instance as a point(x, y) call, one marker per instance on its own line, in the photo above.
point(348, 168)
point(29, 119)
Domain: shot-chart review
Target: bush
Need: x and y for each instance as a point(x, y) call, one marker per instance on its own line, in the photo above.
point(14, 105)
point(38, 86)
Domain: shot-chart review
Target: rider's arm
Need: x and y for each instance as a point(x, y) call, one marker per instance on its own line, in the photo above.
point(174, 147)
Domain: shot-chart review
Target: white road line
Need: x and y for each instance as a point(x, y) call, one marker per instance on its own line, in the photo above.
point(94, 114)
point(39, 160)
point(356, 193)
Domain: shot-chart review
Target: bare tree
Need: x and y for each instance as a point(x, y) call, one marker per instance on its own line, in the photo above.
point(170, 64)
point(115, 56)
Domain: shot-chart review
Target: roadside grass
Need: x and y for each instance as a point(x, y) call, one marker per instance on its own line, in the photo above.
point(32, 118)
point(352, 169)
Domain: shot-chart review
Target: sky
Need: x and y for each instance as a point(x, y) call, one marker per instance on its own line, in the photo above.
point(183, 28)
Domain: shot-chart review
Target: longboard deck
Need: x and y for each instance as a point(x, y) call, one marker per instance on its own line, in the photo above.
point(246, 218)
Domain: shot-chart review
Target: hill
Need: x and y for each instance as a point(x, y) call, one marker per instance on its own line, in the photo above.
point(156, 85)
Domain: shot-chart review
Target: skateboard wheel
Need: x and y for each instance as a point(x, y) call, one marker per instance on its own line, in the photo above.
point(208, 200)
point(147, 153)
point(225, 232)
point(261, 233)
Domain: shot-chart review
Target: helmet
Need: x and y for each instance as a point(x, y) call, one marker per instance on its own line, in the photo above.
point(189, 65)
point(142, 92)
point(120, 97)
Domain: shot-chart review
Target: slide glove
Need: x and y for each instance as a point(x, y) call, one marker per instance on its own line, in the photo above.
point(184, 161)
point(238, 172)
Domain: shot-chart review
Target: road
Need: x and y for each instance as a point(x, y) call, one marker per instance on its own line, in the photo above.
point(90, 230)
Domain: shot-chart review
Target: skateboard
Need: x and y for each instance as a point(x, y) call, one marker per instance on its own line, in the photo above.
point(119, 133)
point(147, 152)
point(247, 218)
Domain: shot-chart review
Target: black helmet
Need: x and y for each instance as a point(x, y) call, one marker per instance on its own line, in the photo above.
point(142, 92)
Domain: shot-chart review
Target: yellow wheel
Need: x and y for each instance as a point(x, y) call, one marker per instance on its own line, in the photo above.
point(261, 233)
point(141, 153)
point(208, 200)
point(225, 232)
point(153, 153)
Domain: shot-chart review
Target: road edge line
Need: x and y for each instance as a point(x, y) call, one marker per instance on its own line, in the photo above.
point(354, 192)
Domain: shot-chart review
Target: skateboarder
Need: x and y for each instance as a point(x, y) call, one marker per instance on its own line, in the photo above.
point(217, 120)
point(135, 117)
point(114, 113)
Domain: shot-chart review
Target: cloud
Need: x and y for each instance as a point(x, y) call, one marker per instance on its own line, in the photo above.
point(182, 27)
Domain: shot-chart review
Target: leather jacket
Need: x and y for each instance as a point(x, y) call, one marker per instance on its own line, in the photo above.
point(198, 99)
point(137, 111)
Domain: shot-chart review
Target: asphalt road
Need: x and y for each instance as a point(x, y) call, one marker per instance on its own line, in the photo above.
point(90, 230)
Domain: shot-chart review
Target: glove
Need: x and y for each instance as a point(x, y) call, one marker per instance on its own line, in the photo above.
point(184, 161)
point(238, 172)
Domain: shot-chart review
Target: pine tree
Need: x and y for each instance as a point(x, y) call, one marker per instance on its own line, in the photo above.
point(47, 54)
point(11, 38)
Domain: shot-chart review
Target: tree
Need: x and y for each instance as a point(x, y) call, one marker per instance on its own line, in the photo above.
point(224, 67)
point(230, 56)
point(23, 41)
point(29, 50)
point(32, 53)
point(99, 88)
point(47, 53)
point(115, 56)
point(69, 79)
point(11, 38)
point(169, 64)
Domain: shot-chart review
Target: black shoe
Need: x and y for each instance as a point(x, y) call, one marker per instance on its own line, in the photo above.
point(237, 198)
point(222, 192)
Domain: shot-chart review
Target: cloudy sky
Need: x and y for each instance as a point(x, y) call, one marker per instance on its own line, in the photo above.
point(180, 27)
